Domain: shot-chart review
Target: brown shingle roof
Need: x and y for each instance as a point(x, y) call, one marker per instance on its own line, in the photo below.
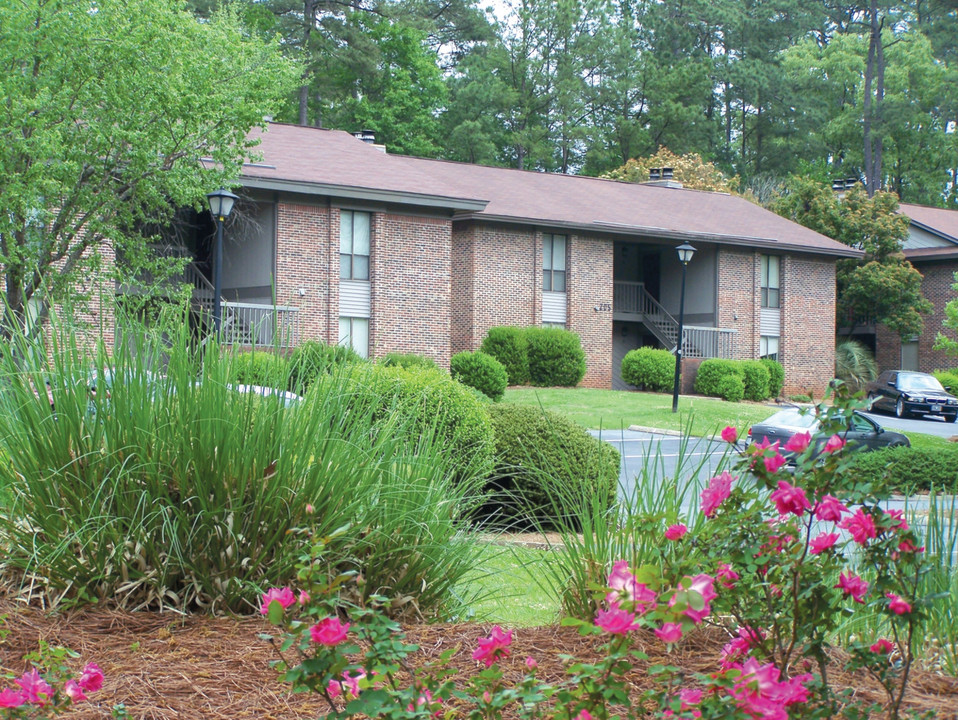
point(323, 160)
point(936, 220)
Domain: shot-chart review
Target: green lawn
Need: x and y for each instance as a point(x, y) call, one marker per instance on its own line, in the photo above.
point(507, 590)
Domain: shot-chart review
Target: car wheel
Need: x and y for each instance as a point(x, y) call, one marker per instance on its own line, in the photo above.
point(900, 409)
point(951, 418)
point(872, 401)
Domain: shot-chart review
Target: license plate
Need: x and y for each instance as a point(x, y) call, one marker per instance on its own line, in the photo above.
point(936, 408)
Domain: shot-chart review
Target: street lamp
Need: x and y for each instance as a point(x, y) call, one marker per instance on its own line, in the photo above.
point(685, 252)
point(221, 205)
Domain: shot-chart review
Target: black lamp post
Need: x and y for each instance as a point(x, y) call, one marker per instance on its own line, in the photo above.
point(221, 205)
point(685, 252)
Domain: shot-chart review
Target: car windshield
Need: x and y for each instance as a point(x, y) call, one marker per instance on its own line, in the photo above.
point(793, 418)
point(919, 382)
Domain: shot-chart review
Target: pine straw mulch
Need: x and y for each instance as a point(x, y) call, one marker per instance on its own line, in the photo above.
point(166, 666)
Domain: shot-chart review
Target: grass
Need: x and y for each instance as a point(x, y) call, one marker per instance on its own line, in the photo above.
point(507, 590)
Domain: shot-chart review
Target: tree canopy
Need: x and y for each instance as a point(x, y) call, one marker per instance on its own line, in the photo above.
point(113, 114)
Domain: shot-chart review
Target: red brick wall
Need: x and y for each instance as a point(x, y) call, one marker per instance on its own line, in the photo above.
point(936, 287)
point(590, 286)
point(739, 296)
point(410, 271)
point(463, 288)
point(807, 349)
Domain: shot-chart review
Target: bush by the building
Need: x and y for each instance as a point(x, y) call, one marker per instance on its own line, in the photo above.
point(407, 360)
point(545, 464)
point(948, 378)
point(556, 357)
point(480, 371)
point(776, 376)
point(259, 368)
point(712, 371)
point(508, 345)
point(731, 388)
point(907, 469)
point(313, 359)
point(756, 379)
point(649, 368)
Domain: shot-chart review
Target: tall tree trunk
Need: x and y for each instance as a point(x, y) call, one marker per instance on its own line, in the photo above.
point(309, 19)
point(872, 104)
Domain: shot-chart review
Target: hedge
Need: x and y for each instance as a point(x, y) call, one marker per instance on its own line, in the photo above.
point(735, 380)
point(731, 388)
point(649, 368)
point(508, 345)
point(556, 358)
point(259, 368)
point(313, 359)
point(407, 360)
point(480, 371)
point(756, 378)
point(948, 378)
point(907, 469)
point(544, 462)
point(776, 376)
point(712, 371)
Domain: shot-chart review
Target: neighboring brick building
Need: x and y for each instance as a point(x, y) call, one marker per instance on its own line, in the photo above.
point(397, 254)
point(932, 247)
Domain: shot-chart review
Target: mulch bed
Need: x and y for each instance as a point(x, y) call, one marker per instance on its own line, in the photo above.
point(165, 666)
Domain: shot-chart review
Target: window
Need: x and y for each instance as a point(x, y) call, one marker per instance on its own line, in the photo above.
point(354, 333)
point(768, 347)
point(353, 245)
point(771, 266)
point(553, 263)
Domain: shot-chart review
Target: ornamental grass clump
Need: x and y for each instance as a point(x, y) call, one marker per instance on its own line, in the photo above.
point(167, 488)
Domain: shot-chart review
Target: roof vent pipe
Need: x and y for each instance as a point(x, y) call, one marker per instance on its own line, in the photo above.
point(666, 173)
point(655, 173)
point(367, 136)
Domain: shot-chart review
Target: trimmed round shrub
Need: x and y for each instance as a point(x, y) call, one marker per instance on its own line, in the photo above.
point(544, 463)
point(649, 368)
point(313, 359)
point(480, 371)
point(508, 345)
point(756, 378)
point(731, 388)
point(907, 469)
point(711, 373)
point(259, 368)
point(556, 357)
point(776, 376)
point(407, 360)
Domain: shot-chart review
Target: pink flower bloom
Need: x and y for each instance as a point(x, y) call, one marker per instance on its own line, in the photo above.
point(73, 691)
point(726, 575)
point(790, 499)
point(882, 646)
point(584, 715)
point(91, 678)
point(689, 697)
point(494, 647)
point(284, 596)
point(35, 689)
point(624, 586)
point(740, 646)
point(908, 546)
point(616, 621)
point(765, 445)
point(730, 435)
point(10, 698)
point(821, 543)
point(531, 663)
point(670, 632)
point(329, 631)
point(351, 682)
point(303, 597)
point(675, 532)
point(853, 585)
point(898, 515)
point(860, 525)
point(897, 604)
point(334, 689)
point(310, 509)
point(798, 442)
point(830, 509)
point(702, 584)
point(719, 488)
point(774, 463)
point(834, 444)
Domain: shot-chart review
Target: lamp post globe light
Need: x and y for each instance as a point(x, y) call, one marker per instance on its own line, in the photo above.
point(221, 205)
point(685, 252)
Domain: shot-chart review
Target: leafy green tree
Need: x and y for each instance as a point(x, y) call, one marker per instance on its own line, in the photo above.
point(689, 169)
point(882, 285)
point(943, 341)
point(113, 114)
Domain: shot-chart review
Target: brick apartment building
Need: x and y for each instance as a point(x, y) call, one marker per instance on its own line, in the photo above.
point(346, 243)
point(932, 247)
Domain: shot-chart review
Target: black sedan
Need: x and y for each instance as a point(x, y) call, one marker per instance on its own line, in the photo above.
point(912, 393)
point(861, 431)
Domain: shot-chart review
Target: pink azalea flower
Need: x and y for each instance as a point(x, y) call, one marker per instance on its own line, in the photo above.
point(73, 691)
point(583, 715)
point(670, 632)
point(790, 499)
point(531, 663)
point(798, 442)
point(740, 646)
point(494, 647)
point(898, 515)
point(830, 509)
point(719, 488)
point(730, 435)
point(36, 690)
point(726, 575)
point(351, 682)
point(702, 584)
point(334, 689)
point(91, 678)
point(675, 532)
point(689, 697)
point(616, 621)
point(624, 586)
point(774, 463)
point(860, 525)
point(834, 444)
point(882, 646)
point(897, 604)
point(329, 632)
point(908, 546)
point(821, 543)
point(303, 597)
point(284, 596)
point(764, 445)
point(10, 698)
point(853, 585)
point(310, 509)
